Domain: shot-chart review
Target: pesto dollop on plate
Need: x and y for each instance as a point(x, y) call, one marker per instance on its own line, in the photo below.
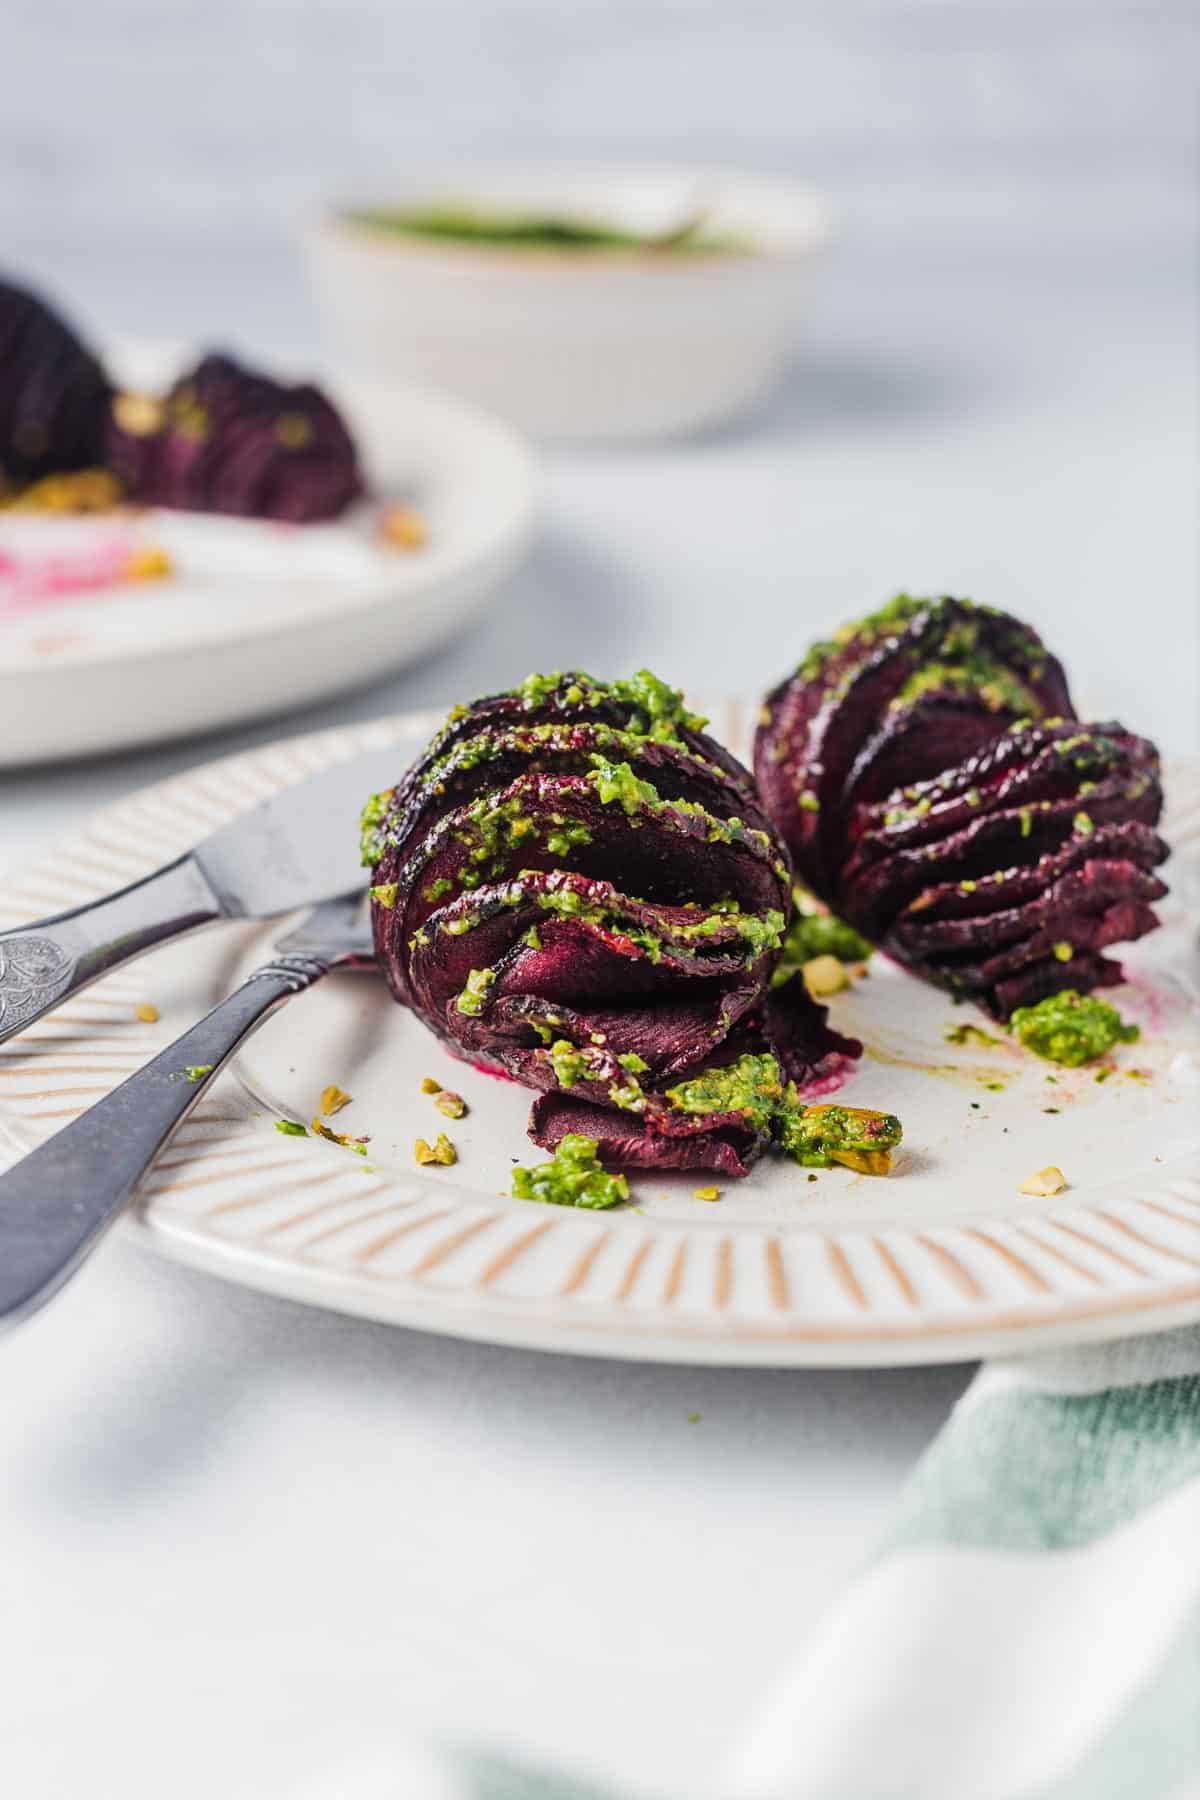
point(1071, 1029)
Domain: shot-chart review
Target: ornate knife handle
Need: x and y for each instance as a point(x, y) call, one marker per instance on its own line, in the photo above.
point(58, 1201)
point(43, 964)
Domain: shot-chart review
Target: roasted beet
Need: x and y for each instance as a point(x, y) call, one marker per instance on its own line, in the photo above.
point(53, 393)
point(576, 887)
point(929, 775)
point(227, 440)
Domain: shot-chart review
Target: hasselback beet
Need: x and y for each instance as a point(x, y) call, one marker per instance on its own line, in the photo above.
point(576, 887)
point(225, 439)
point(930, 777)
point(53, 393)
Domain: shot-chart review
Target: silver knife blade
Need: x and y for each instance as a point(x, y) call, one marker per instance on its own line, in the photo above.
point(301, 845)
point(297, 848)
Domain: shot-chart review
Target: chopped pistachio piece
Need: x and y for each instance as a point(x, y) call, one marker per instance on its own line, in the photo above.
point(442, 1152)
point(1046, 1183)
point(824, 975)
point(358, 1145)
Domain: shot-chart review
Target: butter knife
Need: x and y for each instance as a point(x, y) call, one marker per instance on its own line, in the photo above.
point(293, 850)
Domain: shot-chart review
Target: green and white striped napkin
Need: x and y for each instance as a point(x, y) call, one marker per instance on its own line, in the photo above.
point(1029, 1629)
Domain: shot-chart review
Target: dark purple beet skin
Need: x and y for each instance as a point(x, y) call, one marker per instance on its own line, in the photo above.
point(228, 440)
point(578, 888)
point(929, 775)
point(53, 393)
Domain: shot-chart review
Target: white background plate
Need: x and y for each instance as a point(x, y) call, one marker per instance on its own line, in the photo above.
point(263, 617)
point(943, 1260)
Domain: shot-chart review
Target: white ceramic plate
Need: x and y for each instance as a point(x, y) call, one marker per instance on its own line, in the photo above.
point(264, 617)
point(944, 1259)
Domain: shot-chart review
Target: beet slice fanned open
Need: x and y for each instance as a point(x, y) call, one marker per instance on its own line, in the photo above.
point(576, 887)
point(936, 789)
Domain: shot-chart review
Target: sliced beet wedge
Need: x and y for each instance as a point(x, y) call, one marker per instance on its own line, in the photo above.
point(229, 439)
point(54, 395)
point(576, 887)
point(911, 654)
point(929, 775)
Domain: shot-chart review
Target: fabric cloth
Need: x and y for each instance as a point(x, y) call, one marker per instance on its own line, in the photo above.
point(1029, 1629)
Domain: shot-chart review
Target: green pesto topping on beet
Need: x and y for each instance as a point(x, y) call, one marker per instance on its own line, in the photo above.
point(569, 1063)
point(591, 1063)
point(372, 841)
point(817, 1136)
point(656, 709)
point(478, 985)
point(976, 674)
point(573, 1176)
point(867, 631)
point(1071, 1029)
point(954, 662)
point(760, 932)
point(617, 781)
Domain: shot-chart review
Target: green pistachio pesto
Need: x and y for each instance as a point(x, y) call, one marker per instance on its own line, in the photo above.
point(569, 1063)
point(656, 709)
point(817, 1136)
point(818, 934)
point(856, 1136)
point(970, 1034)
point(955, 662)
point(574, 1176)
point(867, 630)
point(495, 228)
point(980, 675)
point(617, 782)
point(372, 840)
point(591, 1063)
point(752, 1086)
point(1071, 1029)
point(478, 986)
point(761, 933)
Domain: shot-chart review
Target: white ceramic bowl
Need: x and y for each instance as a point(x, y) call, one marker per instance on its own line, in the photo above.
point(579, 344)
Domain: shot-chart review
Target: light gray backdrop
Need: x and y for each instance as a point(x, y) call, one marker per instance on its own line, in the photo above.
point(1055, 131)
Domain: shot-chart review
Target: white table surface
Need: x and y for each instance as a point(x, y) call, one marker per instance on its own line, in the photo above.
point(240, 1539)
